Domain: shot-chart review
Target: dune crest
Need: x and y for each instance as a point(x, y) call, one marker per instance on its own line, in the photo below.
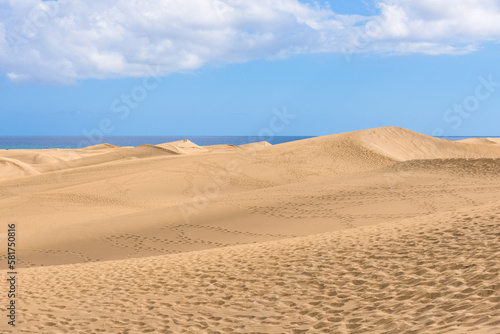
point(481, 141)
point(183, 146)
point(256, 146)
point(403, 145)
point(104, 146)
point(12, 168)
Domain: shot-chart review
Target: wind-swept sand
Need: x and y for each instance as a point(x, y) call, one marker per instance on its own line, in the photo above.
point(375, 231)
point(481, 141)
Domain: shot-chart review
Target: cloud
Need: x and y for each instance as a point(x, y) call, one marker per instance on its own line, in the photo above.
point(427, 27)
point(442, 21)
point(68, 40)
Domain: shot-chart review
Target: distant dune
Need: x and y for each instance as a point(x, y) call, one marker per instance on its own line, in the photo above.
point(402, 145)
point(375, 231)
point(481, 141)
point(184, 147)
point(12, 168)
point(256, 146)
point(98, 147)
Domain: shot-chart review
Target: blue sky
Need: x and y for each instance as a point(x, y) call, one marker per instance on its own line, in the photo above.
point(231, 75)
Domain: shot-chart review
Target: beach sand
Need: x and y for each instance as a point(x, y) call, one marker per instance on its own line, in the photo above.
point(376, 231)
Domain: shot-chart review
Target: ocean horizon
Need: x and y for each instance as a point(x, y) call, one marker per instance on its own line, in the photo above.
point(72, 142)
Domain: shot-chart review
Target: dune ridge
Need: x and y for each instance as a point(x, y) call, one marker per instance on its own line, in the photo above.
point(481, 141)
point(402, 145)
point(344, 153)
point(98, 147)
point(12, 168)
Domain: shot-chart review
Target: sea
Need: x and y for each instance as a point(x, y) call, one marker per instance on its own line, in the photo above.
point(68, 142)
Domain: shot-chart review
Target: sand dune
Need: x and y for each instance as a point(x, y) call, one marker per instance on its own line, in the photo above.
point(223, 148)
point(184, 146)
point(481, 141)
point(104, 146)
point(375, 231)
point(12, 168)
point(366, 150)
point(339, 154)
point(402, 144)
point(256, 146)
point(36, 157)
point(115, 154)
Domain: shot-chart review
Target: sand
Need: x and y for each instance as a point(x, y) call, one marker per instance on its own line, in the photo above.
point(375, 231)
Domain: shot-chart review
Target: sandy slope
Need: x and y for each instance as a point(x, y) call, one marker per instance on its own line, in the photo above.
point(12, 168)
point(367, 222)
point(432, 274)
point(481, 141)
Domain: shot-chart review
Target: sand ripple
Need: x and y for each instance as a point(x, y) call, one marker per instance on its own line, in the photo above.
point(434, 274)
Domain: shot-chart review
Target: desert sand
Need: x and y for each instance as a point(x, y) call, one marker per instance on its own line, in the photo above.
point(376, 231)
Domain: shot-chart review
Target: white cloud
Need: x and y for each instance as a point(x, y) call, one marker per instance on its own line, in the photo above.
point(442, 21)
point(68, 40)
